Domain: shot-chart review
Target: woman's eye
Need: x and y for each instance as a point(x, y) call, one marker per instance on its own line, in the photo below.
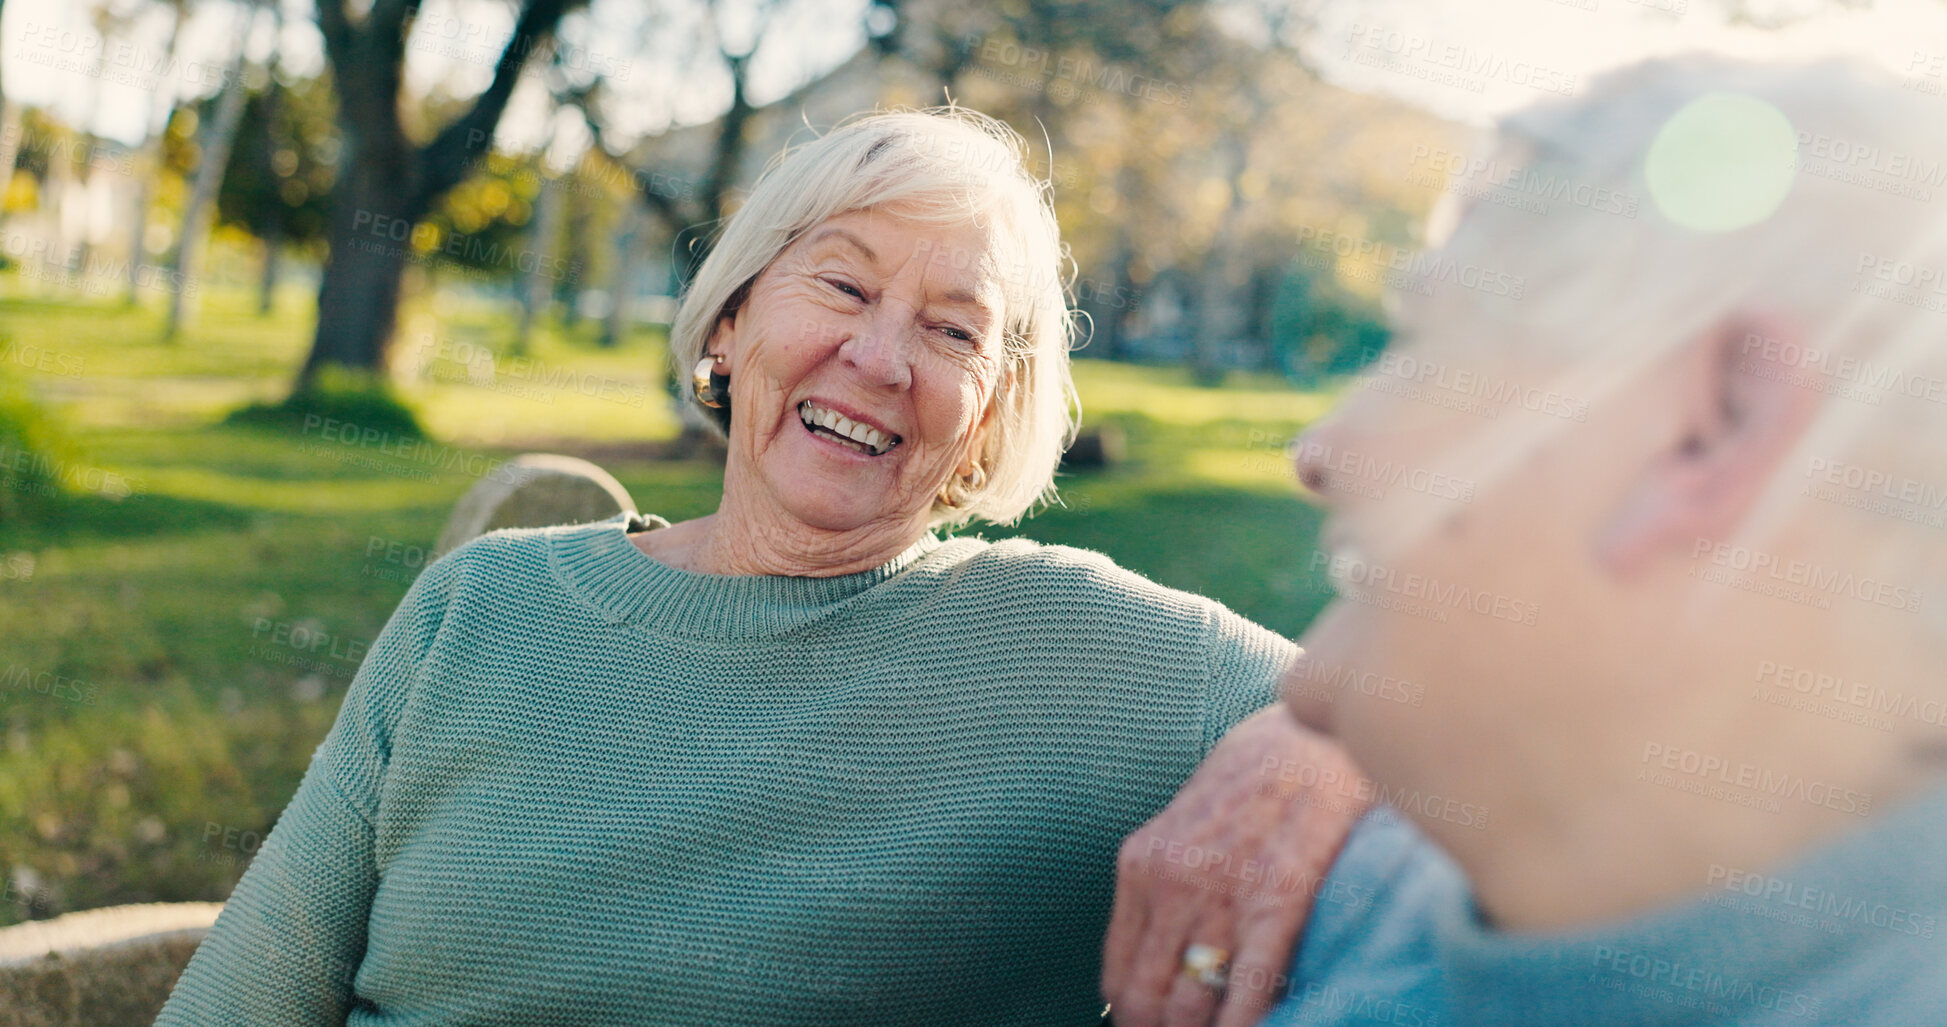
point(846, 287)
point(956, 333)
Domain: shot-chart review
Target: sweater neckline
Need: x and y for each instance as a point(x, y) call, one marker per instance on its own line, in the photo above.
point(627, 585)
point(1859, 896)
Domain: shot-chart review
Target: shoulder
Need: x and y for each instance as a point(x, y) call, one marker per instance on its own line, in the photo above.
point(1081, 586)
point(1026, 571)
point(514, 557)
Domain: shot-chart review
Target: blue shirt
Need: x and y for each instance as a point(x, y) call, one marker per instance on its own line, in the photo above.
point(1849, 932)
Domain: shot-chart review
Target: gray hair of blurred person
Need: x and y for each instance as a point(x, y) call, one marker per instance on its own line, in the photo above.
point(1616, 274)
point(947, 165)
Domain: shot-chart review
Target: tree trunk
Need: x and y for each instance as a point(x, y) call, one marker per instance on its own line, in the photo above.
point(267, 280)
point(149, 168)
point(10, 129)
point(537, 285)
point(197, 214)
point(371, 241)
point(622, 270)
point(391, 183)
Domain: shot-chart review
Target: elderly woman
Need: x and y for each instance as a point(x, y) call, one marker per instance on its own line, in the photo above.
point(803, 760)
point(1703, 782)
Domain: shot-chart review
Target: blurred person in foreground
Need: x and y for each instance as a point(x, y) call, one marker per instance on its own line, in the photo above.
point(809, 759)
point(1702, 783)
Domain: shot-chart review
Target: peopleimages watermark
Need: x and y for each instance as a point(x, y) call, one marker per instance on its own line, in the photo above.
point(1019, 282)
point(1837, 909)
point(1324, 682)
point(1910, 284)
point(1300, 780)
point(64, 474)
point(1367, 475)
point(1417, 271)
point(1516, 186)
point(35, 357)
point(1906, 175)
point(1450, 64)
point(1458, 388)
point(1928, 72)
point(1689, 986)
point(85, 151)
point(526, 377)
point(305, 645)
point(232, 845)
point(469, 39)
point(1899, 496)
point(1064, 76)
point(122, 62)
point(409, 456)
point(17, 567)
point(1794, 580)
point(18, 678)
point(392, 560)
point(1416, 594)
point(1331, 1003)
point(1840, 698)
point(1213, 869)
point(474, 251)
point(87, 270)
point(1716, 776)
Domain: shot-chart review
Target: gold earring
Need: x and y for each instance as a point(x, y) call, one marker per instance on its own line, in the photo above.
point(711, 386)
point(971, 482)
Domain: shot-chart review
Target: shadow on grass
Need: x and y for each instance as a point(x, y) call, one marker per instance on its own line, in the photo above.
point(78, 518)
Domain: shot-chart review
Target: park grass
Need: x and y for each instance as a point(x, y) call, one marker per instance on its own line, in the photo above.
point(152, 732)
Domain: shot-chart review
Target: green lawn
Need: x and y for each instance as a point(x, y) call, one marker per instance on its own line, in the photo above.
point(151, 733)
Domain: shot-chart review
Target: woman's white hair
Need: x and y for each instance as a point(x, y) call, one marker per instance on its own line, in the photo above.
point(1614, 275)
point(947, 165)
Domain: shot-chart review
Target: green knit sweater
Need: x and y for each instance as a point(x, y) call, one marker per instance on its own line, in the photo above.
point(571, 784)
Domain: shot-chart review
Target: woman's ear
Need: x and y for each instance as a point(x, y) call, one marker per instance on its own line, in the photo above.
point(977, 439)
point(1739, 415)
point(723, 340)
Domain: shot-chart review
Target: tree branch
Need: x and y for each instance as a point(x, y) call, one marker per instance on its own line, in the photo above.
point(450, 157)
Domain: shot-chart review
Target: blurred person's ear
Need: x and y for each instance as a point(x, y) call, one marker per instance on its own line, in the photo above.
point(1736, 414)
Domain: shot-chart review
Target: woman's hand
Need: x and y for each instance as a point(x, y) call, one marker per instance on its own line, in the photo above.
point(1233, 863)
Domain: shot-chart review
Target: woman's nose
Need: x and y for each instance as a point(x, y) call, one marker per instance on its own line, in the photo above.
point(878, 350)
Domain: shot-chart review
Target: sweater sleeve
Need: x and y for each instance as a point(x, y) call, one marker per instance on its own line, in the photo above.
point(1245, 664)
point(290, 939)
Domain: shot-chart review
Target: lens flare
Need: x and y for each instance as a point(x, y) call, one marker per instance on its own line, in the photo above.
point(1723, 162)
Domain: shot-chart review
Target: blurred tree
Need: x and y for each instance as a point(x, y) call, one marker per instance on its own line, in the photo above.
point(689, 211)
point(149, 150)
point(385, 178)
point(281, 171)
point(10, 125)
point(213, 157)
point(1188, 146)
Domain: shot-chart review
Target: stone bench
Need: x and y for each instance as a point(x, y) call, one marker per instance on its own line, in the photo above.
point(101, 967)
point(114, 967)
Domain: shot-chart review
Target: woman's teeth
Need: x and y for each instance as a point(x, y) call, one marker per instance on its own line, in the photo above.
point(867, 438)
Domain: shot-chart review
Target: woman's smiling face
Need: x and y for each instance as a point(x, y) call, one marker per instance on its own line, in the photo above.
point(862, 366)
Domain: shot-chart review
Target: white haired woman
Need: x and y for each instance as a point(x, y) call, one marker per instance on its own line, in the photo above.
point(802, 760)
point(1703, 782)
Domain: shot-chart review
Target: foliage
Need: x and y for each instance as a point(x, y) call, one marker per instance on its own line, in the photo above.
point(284, 162)
point(29, 450)
point(1320, 330)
